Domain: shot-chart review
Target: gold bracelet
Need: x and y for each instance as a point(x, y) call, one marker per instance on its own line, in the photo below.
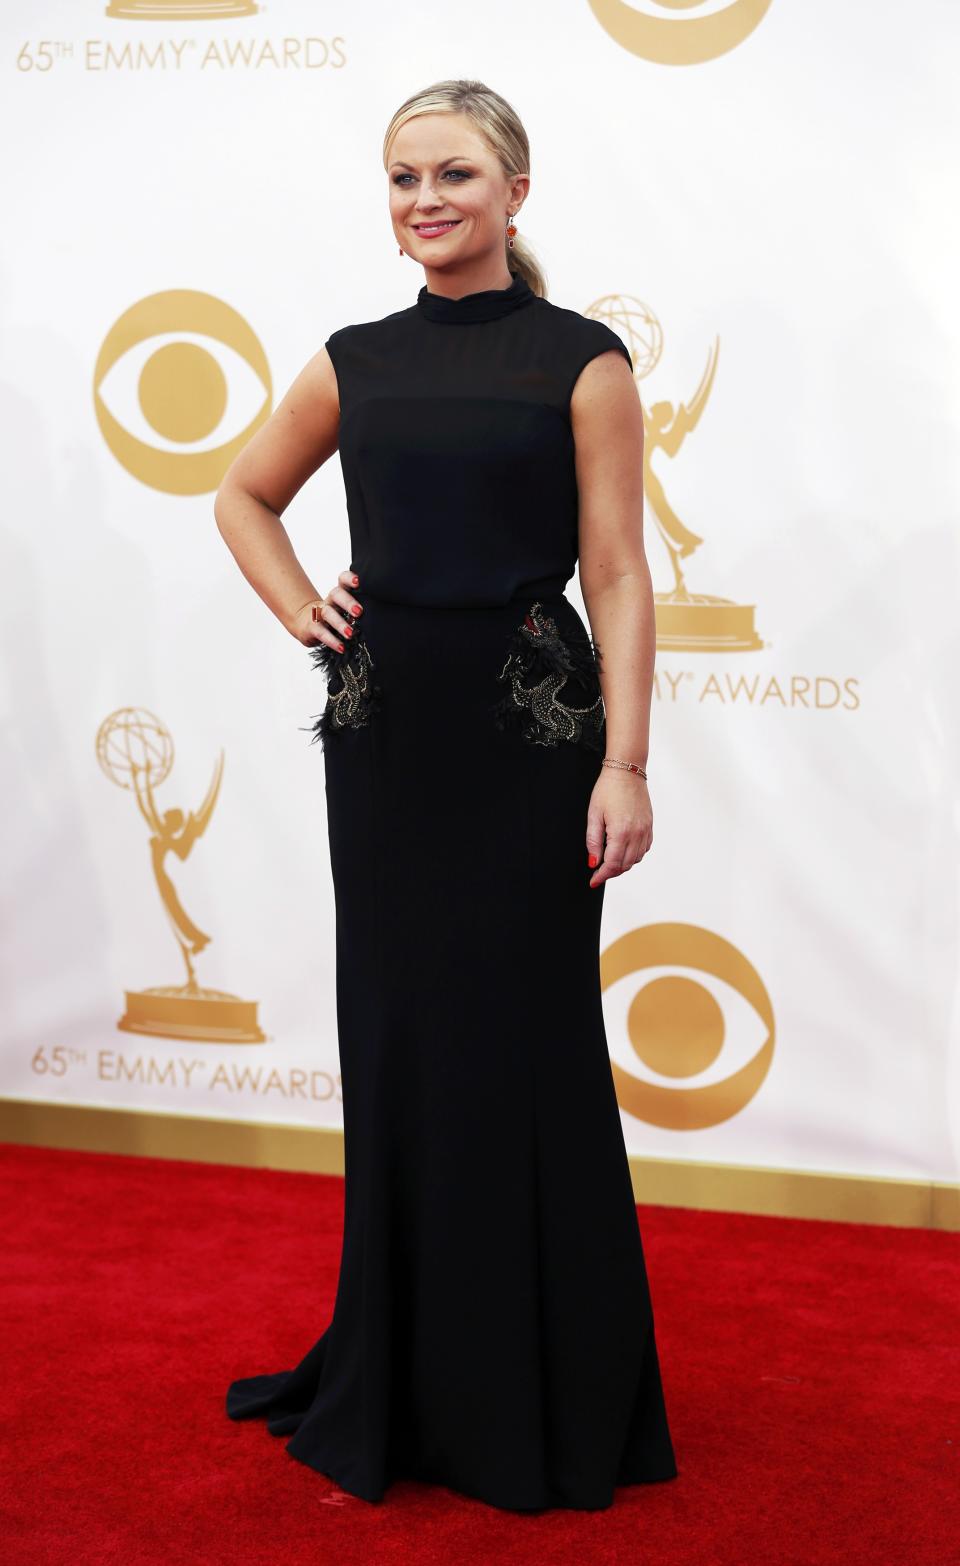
point(631, 766)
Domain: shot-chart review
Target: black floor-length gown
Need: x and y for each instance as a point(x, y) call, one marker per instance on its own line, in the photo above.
point(492, 1329)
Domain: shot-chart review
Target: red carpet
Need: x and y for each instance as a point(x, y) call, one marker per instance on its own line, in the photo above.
point(812, 1375)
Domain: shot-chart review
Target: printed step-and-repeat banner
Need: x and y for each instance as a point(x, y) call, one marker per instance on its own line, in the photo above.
point(756, 195)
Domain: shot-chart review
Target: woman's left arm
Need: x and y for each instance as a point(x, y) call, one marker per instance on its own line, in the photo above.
point(607, 422)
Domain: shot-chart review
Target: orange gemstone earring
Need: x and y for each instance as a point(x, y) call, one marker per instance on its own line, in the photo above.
point(511, 230)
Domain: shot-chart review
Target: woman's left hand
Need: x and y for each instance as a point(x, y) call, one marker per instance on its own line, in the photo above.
point(619, 823)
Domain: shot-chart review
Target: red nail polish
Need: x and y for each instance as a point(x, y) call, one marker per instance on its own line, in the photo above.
point(340, 647)
point(348, 630)
point(592, 860)
point(356, 609)
point(355, 580)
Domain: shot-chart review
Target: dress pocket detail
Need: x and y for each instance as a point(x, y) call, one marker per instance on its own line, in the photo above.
point(353, 693)
point(541, 664)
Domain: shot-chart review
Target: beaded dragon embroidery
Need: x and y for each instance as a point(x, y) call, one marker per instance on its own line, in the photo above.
point(539, 663)
point(353, 693)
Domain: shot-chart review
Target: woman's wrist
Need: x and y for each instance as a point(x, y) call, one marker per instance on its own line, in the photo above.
point(301, 618)
point(623, 764)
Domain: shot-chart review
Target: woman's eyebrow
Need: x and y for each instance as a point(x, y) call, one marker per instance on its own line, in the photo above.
point(399, 165)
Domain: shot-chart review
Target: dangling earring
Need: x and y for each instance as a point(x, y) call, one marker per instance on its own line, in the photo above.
point(511, 230)
point(401, 249)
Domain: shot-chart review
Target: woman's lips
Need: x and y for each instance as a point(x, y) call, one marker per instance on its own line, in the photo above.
point(433, 230)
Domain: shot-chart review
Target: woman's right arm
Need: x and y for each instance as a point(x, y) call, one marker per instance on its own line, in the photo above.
point(299, 436)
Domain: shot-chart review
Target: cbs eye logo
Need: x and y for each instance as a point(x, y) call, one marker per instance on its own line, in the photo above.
point(677, 1024)
point(157, 361)
point(691, 32)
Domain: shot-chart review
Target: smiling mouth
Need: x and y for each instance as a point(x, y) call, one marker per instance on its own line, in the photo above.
point(437, 228)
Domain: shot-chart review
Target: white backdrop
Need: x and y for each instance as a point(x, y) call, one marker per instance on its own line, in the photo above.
point(788, 199)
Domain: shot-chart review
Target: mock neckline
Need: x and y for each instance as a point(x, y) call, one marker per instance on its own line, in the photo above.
point(485, 305)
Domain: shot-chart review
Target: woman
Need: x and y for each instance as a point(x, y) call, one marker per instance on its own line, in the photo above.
point(492, 1329)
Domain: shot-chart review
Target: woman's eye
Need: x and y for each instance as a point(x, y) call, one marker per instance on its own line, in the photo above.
point(398, 178)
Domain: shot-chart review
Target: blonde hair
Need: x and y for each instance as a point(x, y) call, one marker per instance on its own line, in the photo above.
point(500, 126)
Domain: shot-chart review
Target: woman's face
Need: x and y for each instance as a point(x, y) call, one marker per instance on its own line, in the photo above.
point(449, 196)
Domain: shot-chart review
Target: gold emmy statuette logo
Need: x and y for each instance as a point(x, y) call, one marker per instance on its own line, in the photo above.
point(691, 622)
point(136, 752)
point(182, 391)
point(180, 10)
point(676, 1025)
point(676, 39)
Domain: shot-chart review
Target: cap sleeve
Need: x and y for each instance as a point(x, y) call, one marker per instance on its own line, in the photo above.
point(339, 346)
point(336, 346)
point(593, 338)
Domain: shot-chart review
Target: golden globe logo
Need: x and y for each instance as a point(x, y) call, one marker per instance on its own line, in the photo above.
point(691, 32)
